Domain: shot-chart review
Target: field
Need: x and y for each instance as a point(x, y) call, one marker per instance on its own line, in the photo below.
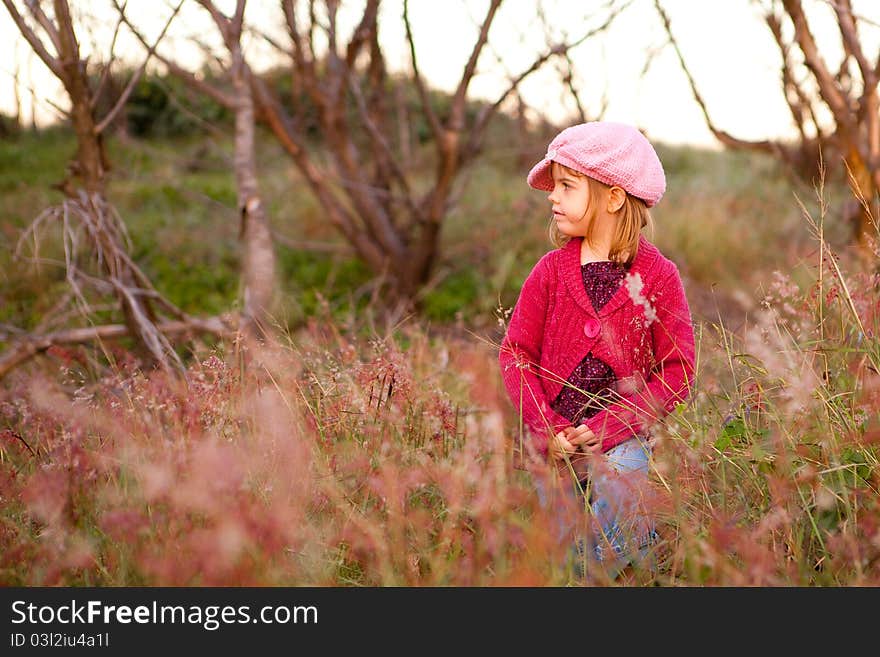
point(365, 450)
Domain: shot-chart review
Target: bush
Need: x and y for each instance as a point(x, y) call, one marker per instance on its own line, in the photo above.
point(166, 107)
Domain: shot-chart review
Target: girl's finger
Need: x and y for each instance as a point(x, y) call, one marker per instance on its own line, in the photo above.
point(594, 447)
point(582, 436)
point(562, 446)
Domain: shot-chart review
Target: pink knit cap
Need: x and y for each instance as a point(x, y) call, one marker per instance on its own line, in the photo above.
point(612, 153)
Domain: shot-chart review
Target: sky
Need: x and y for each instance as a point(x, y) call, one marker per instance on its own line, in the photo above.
point(728, 47)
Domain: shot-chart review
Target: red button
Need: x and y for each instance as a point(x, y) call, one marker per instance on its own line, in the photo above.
point(592, 328)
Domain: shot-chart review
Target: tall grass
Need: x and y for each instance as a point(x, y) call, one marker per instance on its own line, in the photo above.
point(335, 459)
point(357, 455)
point(772, 474)
point(330, 462)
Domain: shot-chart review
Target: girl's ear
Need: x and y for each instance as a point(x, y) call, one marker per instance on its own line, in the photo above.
point(616, 198)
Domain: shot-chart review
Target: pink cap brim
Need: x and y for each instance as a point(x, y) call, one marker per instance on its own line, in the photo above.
point(540, 177)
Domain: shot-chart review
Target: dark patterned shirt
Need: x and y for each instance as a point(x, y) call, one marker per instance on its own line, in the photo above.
point(589, 386)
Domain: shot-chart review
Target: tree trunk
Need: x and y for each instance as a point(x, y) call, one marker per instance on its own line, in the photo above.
point(258, 274)
point(90, 159)
point(864, 215)
point(90, 167)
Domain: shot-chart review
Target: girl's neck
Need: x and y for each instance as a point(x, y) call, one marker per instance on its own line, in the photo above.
point(599, 249)
point(594, 252)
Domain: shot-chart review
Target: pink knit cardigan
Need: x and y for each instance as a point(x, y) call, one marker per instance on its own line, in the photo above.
point(644, 333)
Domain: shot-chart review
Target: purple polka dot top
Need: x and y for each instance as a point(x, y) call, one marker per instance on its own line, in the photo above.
point(589, 386)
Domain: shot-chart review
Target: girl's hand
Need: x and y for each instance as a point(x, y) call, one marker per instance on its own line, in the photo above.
point(581, 437)
point(559, 445)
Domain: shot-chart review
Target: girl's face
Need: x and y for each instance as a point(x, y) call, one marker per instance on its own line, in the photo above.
point(571, 201)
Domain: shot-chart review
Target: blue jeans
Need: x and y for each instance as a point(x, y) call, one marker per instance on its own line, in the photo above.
point(619, 529)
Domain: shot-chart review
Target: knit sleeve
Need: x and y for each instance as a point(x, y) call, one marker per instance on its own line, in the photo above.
point(670, 379)
point(520, 357)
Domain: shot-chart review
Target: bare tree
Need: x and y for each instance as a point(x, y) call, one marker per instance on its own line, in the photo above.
point(88, 222)
point(367, 187)
point(810, 85)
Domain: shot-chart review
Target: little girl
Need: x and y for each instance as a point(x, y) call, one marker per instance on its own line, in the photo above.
point(600, 345)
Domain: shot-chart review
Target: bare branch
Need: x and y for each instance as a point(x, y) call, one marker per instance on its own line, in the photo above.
point(816, 63)
point(213, 92)
point(382, 144)
point(41, 18)
point(238, 18)
point(252, 29)
point(105, 73)
point(366, 198)
point(799, 105)
point(69, 52)
point(568, 79)
point(487, 112)
point(25, 348)
point(722, 136)
point(853, 44)
point(334, 82)
point(90, 216)
point(362, 32)
point(373, 113)
point(123, 98)
point(456, 119)
point(304, 72)
point(37, 100)
point(290, 20)
point(858, 17)
point(51, 62)
point(221, 20)
point(433, 121)
point(51, 103)
point(16, 87)
point(337, 214)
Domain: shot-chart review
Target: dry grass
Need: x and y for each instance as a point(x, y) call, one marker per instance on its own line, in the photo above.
point(338, 460)
point(360, 456)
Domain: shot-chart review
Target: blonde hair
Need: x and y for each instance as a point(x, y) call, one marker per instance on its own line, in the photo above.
point(633, 216)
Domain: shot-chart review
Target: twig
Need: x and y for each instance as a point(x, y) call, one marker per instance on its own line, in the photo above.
point(722, 136)
point(36, 43)
point(25, 348)
point(433, 121)
point(222, 97)
point(123, 98)
point(14, 434)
